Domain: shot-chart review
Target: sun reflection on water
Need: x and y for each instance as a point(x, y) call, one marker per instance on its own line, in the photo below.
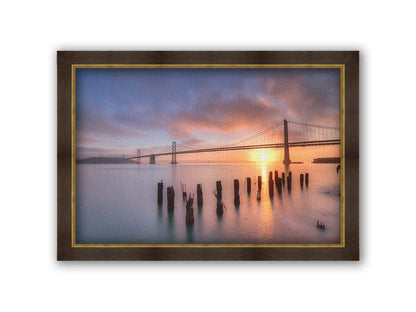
point(263, 172)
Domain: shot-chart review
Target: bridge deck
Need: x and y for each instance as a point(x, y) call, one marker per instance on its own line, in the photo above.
point(244, 147)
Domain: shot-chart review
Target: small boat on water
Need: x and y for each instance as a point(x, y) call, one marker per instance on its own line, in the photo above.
point(320, 225)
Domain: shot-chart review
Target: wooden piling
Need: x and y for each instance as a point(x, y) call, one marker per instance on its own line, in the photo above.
point(200, 199)
point(236, 192)
point(270, 175)
point(189, 211)
point(289, 181)
point(219, 191)
point(301, 180)
point(271, 186)
point(276, 176)
point(279, 185)
point(248, 185)
point(220, 205)
point(220, 208)
point(259, 183)
point(171, 198)
point(183, 189)
point(306, 179)
point(160, 192)
point(283, 179)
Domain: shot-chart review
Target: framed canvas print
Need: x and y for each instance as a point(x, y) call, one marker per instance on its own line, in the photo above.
point(232, 155)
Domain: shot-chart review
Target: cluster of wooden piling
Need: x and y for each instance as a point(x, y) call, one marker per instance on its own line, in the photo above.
point(170, 193)
point(280, 182)
point(304, 177)
point(277, 182)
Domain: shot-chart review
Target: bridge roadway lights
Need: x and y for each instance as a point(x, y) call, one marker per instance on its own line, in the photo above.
point(152, 159)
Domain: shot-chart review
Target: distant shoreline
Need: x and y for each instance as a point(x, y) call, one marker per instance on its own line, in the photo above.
point(105, 160)
point(327, 160)
point(124, 161)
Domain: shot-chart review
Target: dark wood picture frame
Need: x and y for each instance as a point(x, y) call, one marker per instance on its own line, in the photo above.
point(348, 250)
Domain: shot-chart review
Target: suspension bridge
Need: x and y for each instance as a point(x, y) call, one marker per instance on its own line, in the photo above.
point(304, 135)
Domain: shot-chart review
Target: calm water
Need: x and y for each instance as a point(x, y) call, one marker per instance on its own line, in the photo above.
point(118, 204)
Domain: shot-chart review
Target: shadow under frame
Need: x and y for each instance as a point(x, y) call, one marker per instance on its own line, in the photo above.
point(346, 62)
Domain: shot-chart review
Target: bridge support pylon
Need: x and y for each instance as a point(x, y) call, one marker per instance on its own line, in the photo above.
point(138, 157)
point(152, 159)
point(173, 162)
point(286, 159)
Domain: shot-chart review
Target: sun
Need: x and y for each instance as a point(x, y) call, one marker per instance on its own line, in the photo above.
point(263, 155)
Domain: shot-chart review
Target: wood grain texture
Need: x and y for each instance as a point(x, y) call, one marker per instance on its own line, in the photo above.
point(351, 60)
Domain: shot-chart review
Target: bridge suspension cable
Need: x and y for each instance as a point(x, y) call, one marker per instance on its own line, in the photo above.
point(314, 126)
point(252, 137)
point(263, 132)
point(306, 131)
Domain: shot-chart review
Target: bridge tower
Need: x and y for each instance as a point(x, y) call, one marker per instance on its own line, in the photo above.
point(173, 153)
point(286, 159)
point(152, 159)
point(138, 155)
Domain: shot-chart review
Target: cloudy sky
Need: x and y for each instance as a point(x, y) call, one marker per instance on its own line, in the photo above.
point(121, 110)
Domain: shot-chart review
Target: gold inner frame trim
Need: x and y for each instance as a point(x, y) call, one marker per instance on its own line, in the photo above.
point(341, 67)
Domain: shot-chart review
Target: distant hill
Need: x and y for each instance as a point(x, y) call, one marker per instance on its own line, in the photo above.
point(105, 160)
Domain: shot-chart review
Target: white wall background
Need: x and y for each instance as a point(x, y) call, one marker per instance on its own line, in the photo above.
point(31, 32)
